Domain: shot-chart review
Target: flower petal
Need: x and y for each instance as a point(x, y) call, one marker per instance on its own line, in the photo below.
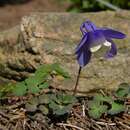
point(82, 42)
point(87, 26)
point(91, 41)
point(84, 57)
point(95, 38)
point(110, 33)
point(112, 52)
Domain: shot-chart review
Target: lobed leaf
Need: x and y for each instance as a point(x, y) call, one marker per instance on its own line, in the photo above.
point(33, 81)
point(95, 110)
point(116, 108)
point(56, 67)
point(44, 85)
point(43, 70)
point(44, 99)
point(69, 99)
point(53, 106)
point(101, 98)
point(31, 105)
point(33, 89)
point(43, 109)
point(123, 90)
point(62, 110)
point(20, 89)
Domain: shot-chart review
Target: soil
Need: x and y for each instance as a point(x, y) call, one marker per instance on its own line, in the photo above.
point(11, 13)
point(15, 116)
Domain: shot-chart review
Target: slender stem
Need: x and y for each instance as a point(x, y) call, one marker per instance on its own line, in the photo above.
point(77, 81)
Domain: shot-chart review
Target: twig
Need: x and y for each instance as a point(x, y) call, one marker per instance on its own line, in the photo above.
point(125, 126)
point(102, 92)
point(79, 116)
point(64, 127)
point(16, 105)
point(121, 120)
point(28, 125)
point(98, 126)
point(3, 127)
point(104, 124)
point(16, 126)
point(24, 124)
point(4, 115)
point(69, 125)
point(83, 110)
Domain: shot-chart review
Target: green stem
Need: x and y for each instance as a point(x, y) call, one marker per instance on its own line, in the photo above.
point(77, 81)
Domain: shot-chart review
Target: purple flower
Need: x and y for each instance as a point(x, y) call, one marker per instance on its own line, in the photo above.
point(93, 39)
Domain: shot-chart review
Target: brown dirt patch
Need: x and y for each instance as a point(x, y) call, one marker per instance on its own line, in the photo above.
point(10, 14)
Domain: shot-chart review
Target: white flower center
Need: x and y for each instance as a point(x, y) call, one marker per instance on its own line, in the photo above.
point(95, 48)
point(107, 43)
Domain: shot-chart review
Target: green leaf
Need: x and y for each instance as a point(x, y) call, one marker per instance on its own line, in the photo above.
point(59, 98)
point(93, 103)
point(124, 85)
point(116, 108)
point(62, 110)
point(20, 89)
point(56, 67)
point(62, 98)
point(96, 113)
point(53, 106)
point(33, 100)
point(33, 81)
point(33, 89)
point(52, 96)
point(31, 105)
point(96, 109)
point(123, 90)
point(43, 70)
point(43, 109)
point(42, 75)
point(44, 99)
point(69, 99)
point(44, 85)
point(101, 98)
point(32, 84)
point(62, 103)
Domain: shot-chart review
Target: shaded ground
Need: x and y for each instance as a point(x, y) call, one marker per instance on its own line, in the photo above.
point(10, 13)
point(15, 117)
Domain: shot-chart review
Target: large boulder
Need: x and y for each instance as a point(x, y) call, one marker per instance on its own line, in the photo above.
point(43, 38)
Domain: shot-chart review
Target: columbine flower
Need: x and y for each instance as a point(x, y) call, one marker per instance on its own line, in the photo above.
point(93, 39)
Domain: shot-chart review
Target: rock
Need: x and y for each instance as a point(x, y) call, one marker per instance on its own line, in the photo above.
point(44, 38)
